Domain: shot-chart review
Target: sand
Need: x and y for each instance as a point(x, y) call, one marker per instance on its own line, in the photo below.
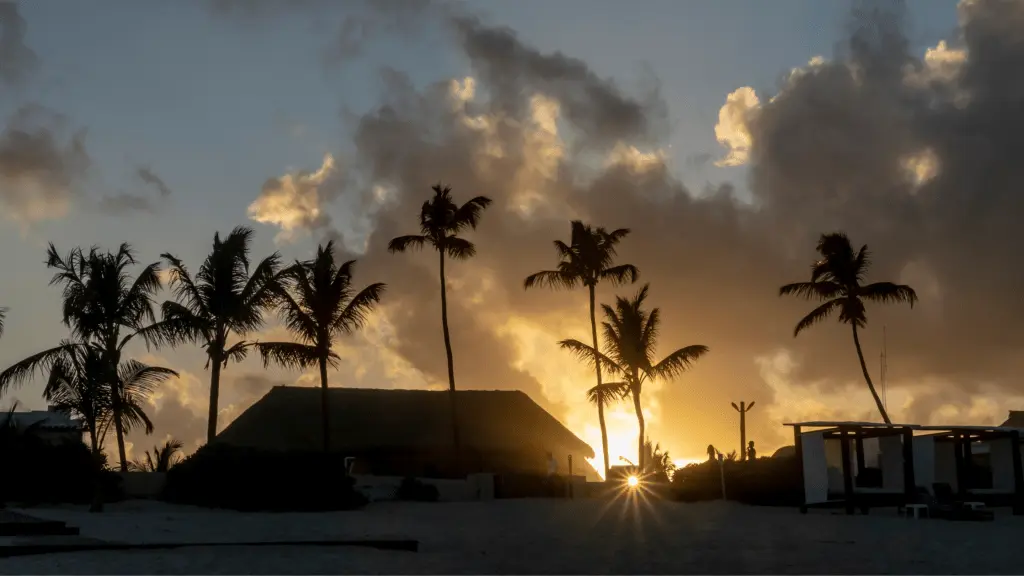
point(539, 536)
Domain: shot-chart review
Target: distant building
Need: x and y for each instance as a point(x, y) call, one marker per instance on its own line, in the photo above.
point(52, 425)
point(408, 432)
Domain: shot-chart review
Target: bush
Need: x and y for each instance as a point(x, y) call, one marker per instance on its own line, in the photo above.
point(37, 472)
point(417, 491)
point(248, 479)
point(763, 482)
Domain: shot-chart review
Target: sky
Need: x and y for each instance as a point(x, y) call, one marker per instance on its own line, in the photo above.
point(726, 135)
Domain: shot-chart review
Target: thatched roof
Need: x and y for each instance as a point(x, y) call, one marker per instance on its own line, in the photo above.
point(1015, 420)
point(288, 418)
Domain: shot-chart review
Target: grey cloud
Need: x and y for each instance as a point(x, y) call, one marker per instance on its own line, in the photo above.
point(124, 203)
point(827, 153)
point(17, 60)
point(147, 175)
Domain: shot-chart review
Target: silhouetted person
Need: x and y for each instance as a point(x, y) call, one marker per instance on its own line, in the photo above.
point(712, 453)
point(751, 453)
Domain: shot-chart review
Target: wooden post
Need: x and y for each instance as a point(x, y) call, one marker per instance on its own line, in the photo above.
point(844, 439)
point(799, 449)
point(1018, 475)
point(968, 463)
point(570, 477)
point(743, 408)
point(860, 455)
point(958, 456)
point(909, 482)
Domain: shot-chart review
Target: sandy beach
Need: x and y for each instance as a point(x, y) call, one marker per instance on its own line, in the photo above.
point(537, 536)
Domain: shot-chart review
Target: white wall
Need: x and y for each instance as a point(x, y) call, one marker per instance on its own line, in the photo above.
point(945, 464)
point(891, 462)
point(816, 482)
point(1001, 458)
point(924, 461)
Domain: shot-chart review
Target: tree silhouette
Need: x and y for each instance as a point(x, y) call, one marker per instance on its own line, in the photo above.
point(660, 464)
point(105, 309)
point(3, 316)
point(320, 306)
point(162, 458)
point(75, 385)
point(223, 299)
point(585, 261)
point(836, 281)
point(631, 337)
point(441, 221)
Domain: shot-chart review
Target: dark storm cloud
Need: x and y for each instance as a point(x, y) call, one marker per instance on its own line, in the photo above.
point(830, 151)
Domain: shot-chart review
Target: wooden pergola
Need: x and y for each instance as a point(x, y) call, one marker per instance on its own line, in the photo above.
point(857, 432)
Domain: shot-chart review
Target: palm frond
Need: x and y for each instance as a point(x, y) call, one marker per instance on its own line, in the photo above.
point(622, 274)
point(288, 354)
point(678, 362)
point(469, 213)
point(16, 375)
point(237, 352)
point(404, 243)
point(817, 315)
point(459, 248)
point(889, 292)
point(3, 316)
point(816, 290)
point(355, 313)
point(555, 279)
point(608, 392)
point(585, 354)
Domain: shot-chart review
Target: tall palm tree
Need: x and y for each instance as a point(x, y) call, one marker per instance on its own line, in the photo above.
point(105, 308)
point(223, 299)
point(836, 282)
point(320, 306)
point(441, 221)
point(631, 337)
point(75, 384)
point(585, 261)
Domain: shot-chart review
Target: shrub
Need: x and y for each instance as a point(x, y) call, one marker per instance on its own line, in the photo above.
point(249, 479)
point(37, 472)
point(417, 491)
point(764, 482)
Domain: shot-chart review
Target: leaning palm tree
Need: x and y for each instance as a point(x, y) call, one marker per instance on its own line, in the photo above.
point(441, 221)
point(836, 282)
point(585, 261)
point(223, 299)
point(630, 338)
point(106, 309)
point(162, 458)
point(320, 306)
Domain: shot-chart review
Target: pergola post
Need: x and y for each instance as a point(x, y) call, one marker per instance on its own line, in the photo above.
point(798, 446)
point(958, 456)
point(909, 482)
point(844, 439)
point(1018, 475)
point(860, 455)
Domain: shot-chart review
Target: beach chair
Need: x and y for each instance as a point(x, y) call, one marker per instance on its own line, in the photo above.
point(946, 505)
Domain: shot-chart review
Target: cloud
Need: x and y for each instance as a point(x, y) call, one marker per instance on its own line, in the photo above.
point(40, 166)
point(925, 173)
point(126, 202)
point(297, 201)
point(17, 61)
point(731, 130)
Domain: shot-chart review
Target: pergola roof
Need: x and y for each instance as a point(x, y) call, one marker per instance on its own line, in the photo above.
point(875, 428)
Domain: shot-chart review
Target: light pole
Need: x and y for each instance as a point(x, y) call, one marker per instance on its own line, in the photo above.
point(743, 408)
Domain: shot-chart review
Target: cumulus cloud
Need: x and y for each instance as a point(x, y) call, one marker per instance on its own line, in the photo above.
point(297, 201)
point(731, 130)
point(926, 177)
point(40, 165)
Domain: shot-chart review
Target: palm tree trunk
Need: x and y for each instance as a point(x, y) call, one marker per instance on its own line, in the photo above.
point(325, 412)
point(211, 422)
point(867, 378)
point(115, 414)
point(597, 369)
point(451, 364)
point(640, 422)
point(97, 481)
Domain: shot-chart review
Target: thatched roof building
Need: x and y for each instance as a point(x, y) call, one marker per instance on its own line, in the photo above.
point(409, 431)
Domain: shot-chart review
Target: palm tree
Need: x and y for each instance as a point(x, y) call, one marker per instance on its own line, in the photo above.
point(587, 260)
point(441, 221)
point(321, 306)
point(223, 299)
point(75, 384)
point(100, 303)
point(631, 337)
point(661, 464)
point(3, 315)
point(162, 458)
point(836, 282)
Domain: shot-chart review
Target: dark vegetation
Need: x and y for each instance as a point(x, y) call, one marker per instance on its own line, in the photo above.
point(415, 490)
point(36, 472)
point(251, 480)
point(761, 482)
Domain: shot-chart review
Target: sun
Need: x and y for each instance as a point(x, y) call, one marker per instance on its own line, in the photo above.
point(633, 481)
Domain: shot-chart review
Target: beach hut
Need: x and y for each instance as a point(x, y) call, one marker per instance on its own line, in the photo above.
point(855, 464)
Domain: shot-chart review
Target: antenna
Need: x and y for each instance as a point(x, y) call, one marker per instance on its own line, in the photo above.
point(885, 396)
